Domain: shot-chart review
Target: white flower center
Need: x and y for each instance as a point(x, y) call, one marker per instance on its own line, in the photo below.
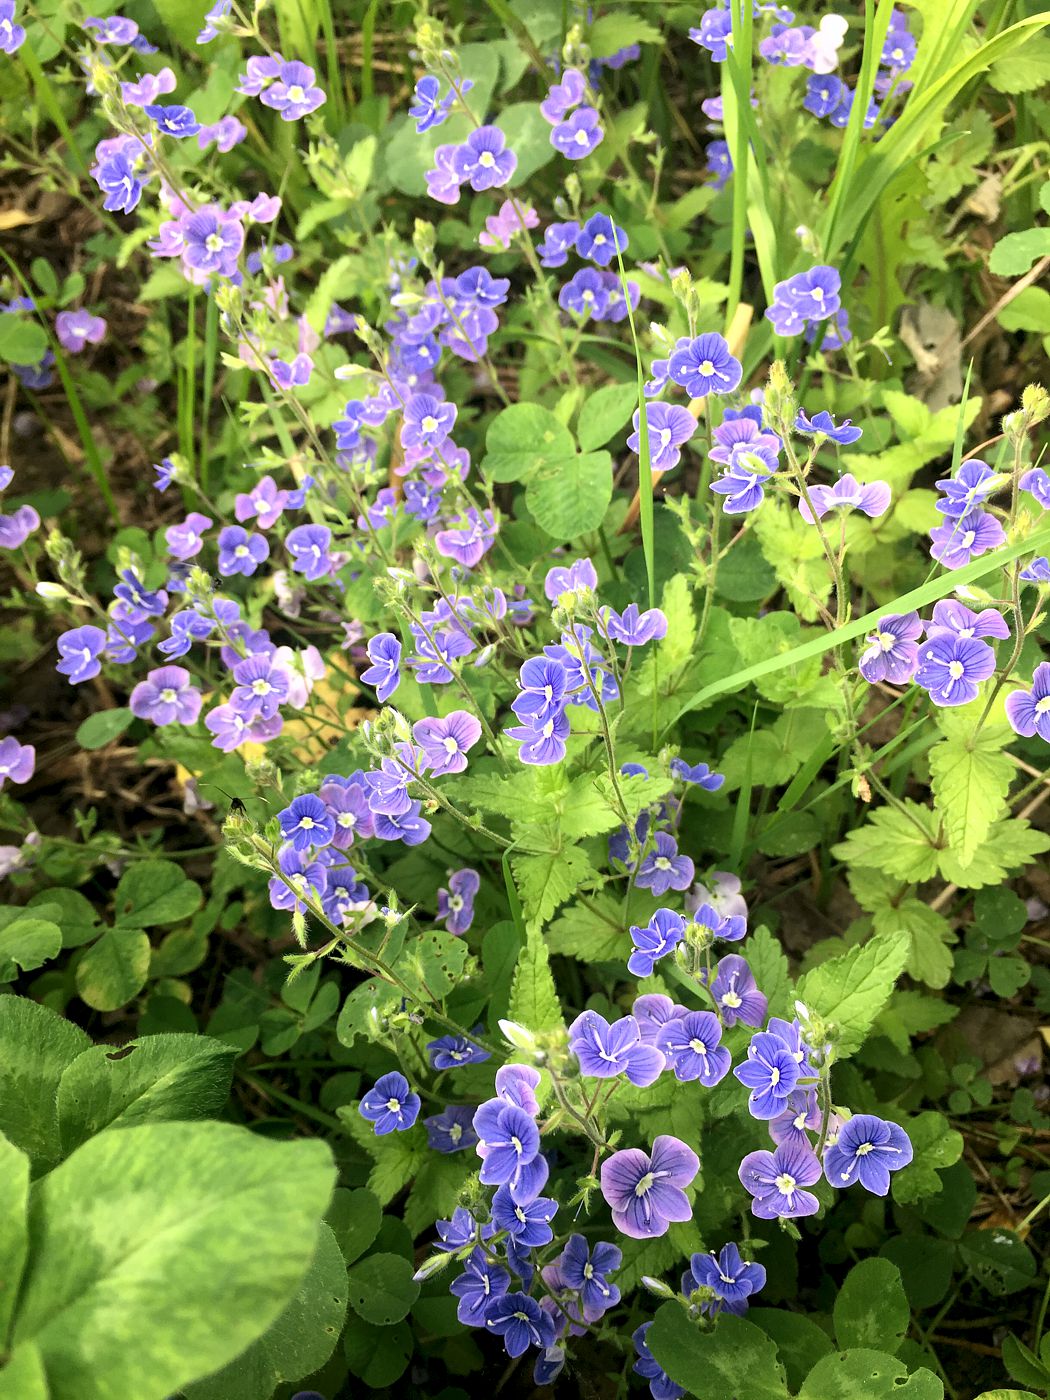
point(785, 1184)
point(168, 695)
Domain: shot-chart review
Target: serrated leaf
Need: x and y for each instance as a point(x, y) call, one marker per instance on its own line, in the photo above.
point(534, 999)
point(591, 932)
point(971, 777)
point(900, 841)
point(1009, 845)
point(768, 962)
point(546, 881)
point(849, 992)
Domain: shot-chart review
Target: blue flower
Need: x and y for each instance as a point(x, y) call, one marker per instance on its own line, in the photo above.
point(430, 108)
point(730, 1278)
point(632, 628)
point(867, 1150)
point(384, 652)
point(659, 937)
point(527, 1222)
point(480, 1284)
point(731, 928)
point(952, 668)
point(307, 822)
point(770, 1072)
point(971, 486)
point(174, 121)
point(691, 1046)
point(777, 1180)
point(824, 424)
point(600, 240)
point(705, 366)
point(663, 868)
point(521, 1322)
point(390, 1105)
point(451, 1130)
point(700, 774)
point(454, 1051)
point(585, 294)
point(558, 242)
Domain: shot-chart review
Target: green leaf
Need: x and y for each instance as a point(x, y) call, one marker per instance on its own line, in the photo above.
point(1007, 1395)
point(1029, 311)
point(936, 1145)
point(377, 1366)
point(999, 1259)
point(570, 497)
point(157, 1078)
point(533, 997)
point(190, 1238)
point(407, 156)
point(529, 135)
point(24, 1377)
point(22, 342)
point(355, 1218)
point(435, 962)
point(868, 1375)
point(114, 969)
point(522, 438)
point(768, 962)
point(298, 1343)
point(103, 727)
point(14, 1237)
point(971, 777)
point(737, 1359)
point(800, 1341)
point(849, 992)
point(1009, 844)
point(154, 892)
point(612, 33)
point(871, 1309)
point(36, 1046)
point(1024, 71)
point(1014, 255)
point(604, 413)
point(382, 1289)
point(591, 932)
point(544, 882)
point(69, 909)
point(27, 943)
point(900, 841)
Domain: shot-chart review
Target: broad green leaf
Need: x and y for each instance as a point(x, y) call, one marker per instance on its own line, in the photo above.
point(604, 413)
point(591, 932)
point(157, 1078)
point(22, 341)
point(800, 1341)
point(925, 1265)
point(377, 1366)
point(528, 134)
point(114, 969)
point(154, 892)
point(14, 1204)
point(871, 1309)
point(1014, 255)
point(767, 961)
point(999, 1259)
point(849, 992)
point(1009, 844)
point(611, 33)
point(1029, 311)
point(545, 882)
point(570, 497)
point(407, 156)
point(970, 779)
point(24, 1377)
point(1007, 1395)
point(355, 1217)
point(36, 1046)
point(533, 997)
point(69, 909)
point(160, 1252)
point(382, 1289)
point(737, 1359)
point(436, 1190)
point(868, 1375)
point(26, 944)
point(364, 1009)
point(522, 438)
point(435, 962)
point(1025, 71)
point(900, 841)
point(103, 727)
point(298, 1343)
point(911, 1014)
point(936, 1145)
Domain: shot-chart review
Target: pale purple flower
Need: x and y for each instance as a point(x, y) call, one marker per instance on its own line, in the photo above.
point(633, 628)
point(16, 528)
point(800, 1116)
point(264, 501)
point(670, 427)
point(294, 92)
point(443, 182)
point(961, 539)
point(384, 652)
point(1029, 710)
point(428, 422)
point(705, 366)
point(872, 498)
point(483, 160)
point(578, 135)
point(867, 1150)
point(186, 541)
point(777, 1180)
point(213, 240)
point(585, 294)
point(1037, 483)
point(1036, 571)
point(646, 1192)
point(467, 537)
point(80, 649)
point(76, 329)
point(731, 928)
point(691, 1044)
point(306, 822)
point(559, 239)
point(227, 132)
point(569, 579)
point(770, 1072)
point(723, 894)
point(261, 689)
point(564, 96)
point(446, 741)
point(241, 552)
point(231, 728)
point(605, 1050)
point(502, 227)
point(951, 667)
point(952, 616)
point(17, 761)
point(166, 696)
point(714, 33)
point(736, 993)
point(290, 374)
point(970, 487)
point(309, 546)
point(455, 906)
point(892, 653)
point(663, 868)
point(542, 743)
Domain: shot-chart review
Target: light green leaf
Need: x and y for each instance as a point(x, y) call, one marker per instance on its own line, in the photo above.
point(604, 413)
point(159, 1078)
point(767, 961)
point(868, 1375)
point(591, 932)
point(1024, 71)
point(114, 969)
point(971, 777)
point(522, 438)
point(36, 1046)
point(14, 1204)
point(737, 1359)
point(355, 1218)
point(160, 1252)
point(849, 992)
point(528, 134)
point(1010, 844)
point(1014, 255)
point(871, 1309)
point(103, 727)
point(154, 892)
point(570, 497)
point(382, 1289)
point(533, 997)
point(22, 341)
point(936, 1145)
point(612, 33)
point(27, 943)
point(24, 1377)
point(544, 882)
point(69, 909)
point(435, 962)
point(900, 841)
point(298, 1343)
point(1029, 311)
